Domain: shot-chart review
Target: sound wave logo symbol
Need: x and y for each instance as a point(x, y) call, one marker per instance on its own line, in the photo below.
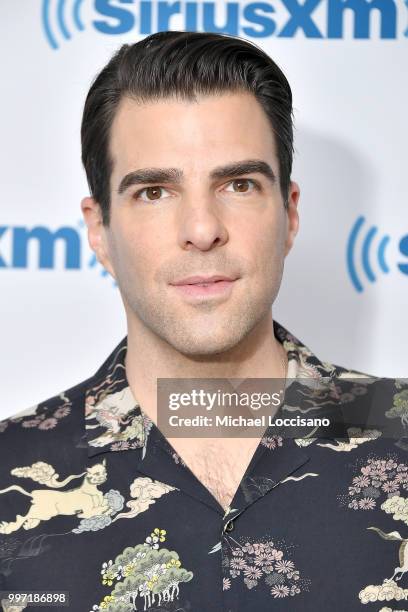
point(54, 16)
point(365, 254)
point(406, 30)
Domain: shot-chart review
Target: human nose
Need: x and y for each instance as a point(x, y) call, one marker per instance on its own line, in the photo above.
point(201, 225)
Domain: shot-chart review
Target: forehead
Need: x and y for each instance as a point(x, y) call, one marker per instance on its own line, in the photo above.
point(195, 135)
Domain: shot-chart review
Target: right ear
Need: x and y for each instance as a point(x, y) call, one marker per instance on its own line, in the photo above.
point(92, 214)
point(293, 216)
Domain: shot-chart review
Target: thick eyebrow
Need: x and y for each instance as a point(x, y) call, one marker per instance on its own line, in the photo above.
point(156, 176)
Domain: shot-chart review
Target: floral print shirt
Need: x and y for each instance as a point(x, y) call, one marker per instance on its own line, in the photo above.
point(95, 503)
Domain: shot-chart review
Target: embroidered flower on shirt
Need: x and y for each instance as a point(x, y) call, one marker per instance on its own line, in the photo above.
point(226, 584)
point(44, 416)
point(262, 564)
point(379, 478)
point(272, 442)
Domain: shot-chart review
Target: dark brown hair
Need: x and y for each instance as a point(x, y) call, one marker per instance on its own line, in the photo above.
point(182, 64)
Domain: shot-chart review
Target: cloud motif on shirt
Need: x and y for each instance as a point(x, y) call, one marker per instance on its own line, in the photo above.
point(382, 592)
point(398, 507)
point(115, 501)
point(145, 492)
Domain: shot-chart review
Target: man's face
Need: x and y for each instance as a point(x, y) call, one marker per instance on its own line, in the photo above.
point(166, 230)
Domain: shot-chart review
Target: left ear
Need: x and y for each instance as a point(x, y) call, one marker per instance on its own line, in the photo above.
point(293, 216)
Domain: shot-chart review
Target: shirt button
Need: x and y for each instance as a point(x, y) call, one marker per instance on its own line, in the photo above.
point(229, 526)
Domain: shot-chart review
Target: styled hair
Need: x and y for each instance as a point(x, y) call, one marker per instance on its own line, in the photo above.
point(183, 65)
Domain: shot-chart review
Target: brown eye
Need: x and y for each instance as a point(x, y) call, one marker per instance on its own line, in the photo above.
point(151, 194)
point(153, 191)
point(241, 183)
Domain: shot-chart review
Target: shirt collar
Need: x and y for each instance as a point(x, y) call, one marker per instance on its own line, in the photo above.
point(114, 420)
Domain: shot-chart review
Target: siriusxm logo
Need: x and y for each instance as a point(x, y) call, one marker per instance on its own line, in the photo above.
point(42, 248)
point(368, 249)
point(280, 18)
point(46, 241)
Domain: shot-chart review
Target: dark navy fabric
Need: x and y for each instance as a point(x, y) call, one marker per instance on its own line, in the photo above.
point(96, 503)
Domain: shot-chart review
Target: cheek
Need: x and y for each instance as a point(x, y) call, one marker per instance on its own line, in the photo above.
point(137, 258)
point(128, 251)
point(263, 246)
point(275, 240)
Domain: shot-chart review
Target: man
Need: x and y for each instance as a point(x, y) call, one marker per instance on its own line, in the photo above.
point(187, 144)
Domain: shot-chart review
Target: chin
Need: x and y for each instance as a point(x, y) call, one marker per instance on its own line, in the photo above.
point(206, 345)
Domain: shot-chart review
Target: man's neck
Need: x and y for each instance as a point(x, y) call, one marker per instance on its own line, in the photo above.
point(149, 357)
